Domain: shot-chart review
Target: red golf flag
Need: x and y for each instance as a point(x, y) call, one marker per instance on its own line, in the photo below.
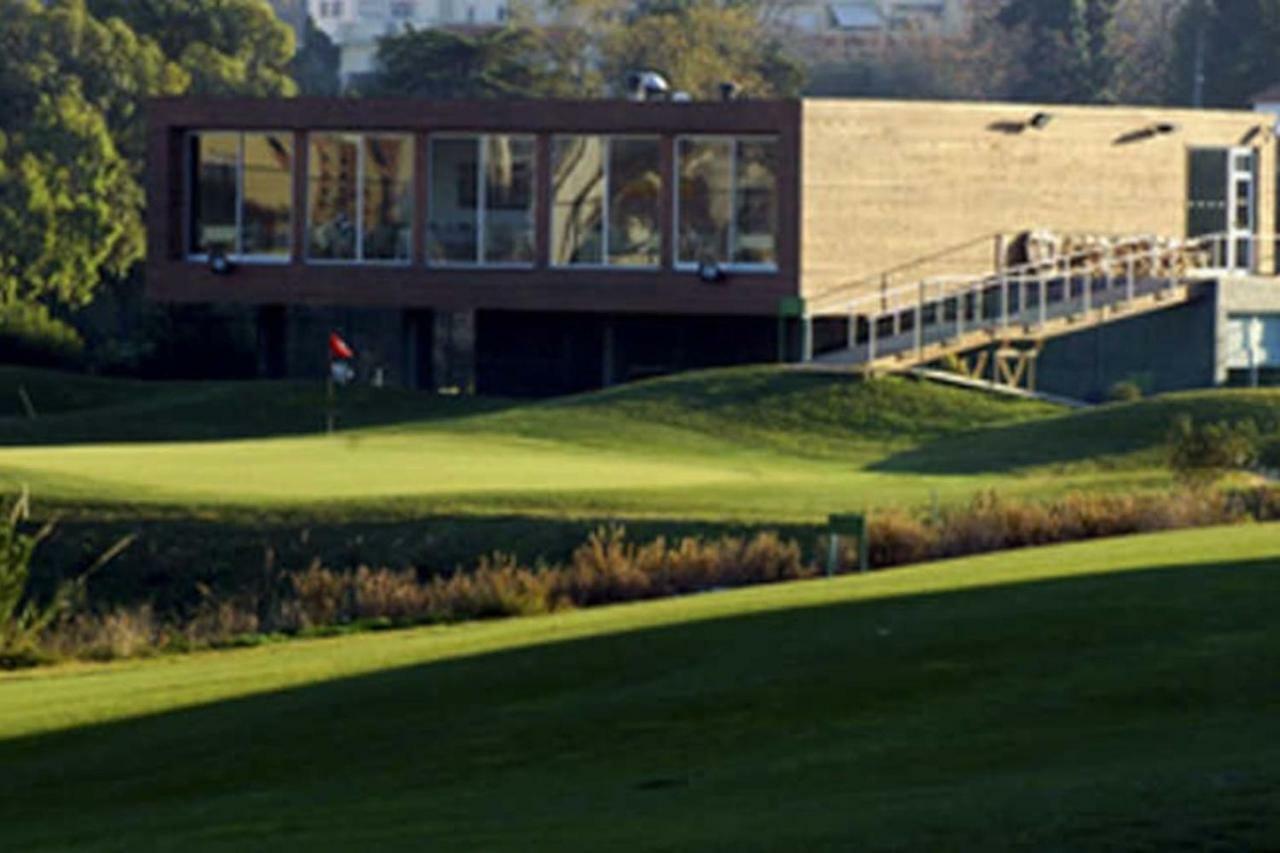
point(338, 349)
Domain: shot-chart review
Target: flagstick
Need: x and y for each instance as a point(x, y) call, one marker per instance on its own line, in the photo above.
point(330, 394)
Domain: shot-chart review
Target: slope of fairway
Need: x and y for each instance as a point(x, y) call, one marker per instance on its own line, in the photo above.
point(1111, 695)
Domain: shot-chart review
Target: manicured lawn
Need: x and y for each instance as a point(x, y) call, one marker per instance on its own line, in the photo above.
point(749, 444)
point(1116, 695)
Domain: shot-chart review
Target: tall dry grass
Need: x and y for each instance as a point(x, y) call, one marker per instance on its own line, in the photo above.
point(610, 568)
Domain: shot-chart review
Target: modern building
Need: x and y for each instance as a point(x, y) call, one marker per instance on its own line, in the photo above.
point(553, 246)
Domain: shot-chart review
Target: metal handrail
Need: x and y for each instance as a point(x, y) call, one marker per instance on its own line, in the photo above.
point(1159, 258)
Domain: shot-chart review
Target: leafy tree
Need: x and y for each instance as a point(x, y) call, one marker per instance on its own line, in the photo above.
point(1067, 49)
point(315, 66)
point(1232, 46)
point(228, 47)
point(699, 44)
point(506, 63)
point(71, 141)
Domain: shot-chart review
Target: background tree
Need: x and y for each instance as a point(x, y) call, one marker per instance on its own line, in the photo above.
point(699, 44)
point(228, 47)
point(1068, 51)
point(316, 64)
point(506, 63)
point(1232, 46)
point(71, 148)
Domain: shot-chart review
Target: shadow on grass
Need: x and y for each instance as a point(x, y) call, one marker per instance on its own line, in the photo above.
point(1107, 433)
point(1037, 712)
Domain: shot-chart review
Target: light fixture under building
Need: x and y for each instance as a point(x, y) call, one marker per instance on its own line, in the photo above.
point(219, 263)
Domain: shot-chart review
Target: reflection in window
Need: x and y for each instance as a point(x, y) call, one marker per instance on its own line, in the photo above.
point(755, 203)
point(241, 194)
point(727, 201)
point(214, 192)
point(360, 197)
point(605, 198)
point(332, 188)
point(482, 200)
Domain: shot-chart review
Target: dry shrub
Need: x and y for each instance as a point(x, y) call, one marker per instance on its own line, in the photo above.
point(895, 539)
point(387, 594)
point(320, 597)
point(119, 633)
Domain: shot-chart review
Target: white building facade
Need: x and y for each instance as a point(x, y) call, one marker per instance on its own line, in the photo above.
point(356, 25)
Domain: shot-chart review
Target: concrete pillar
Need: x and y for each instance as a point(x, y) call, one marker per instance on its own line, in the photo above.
point(453, 351)
point(273, 322)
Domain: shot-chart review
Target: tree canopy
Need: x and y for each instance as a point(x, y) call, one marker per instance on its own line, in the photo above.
point(227, 47)
point(71, 147)
point(1067, 50)
point(1231, 46)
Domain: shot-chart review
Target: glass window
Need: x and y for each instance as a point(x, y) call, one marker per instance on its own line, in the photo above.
point(727, 201)
point(333, 166)
point(241, 194)
point(387, 197)
point(635, 199)
point(605, 197)
point(482, 200)
point(756, 204)
point(577, 200)
point(705, 200)
point(507, 236)
point(215, 159)
point(453, 233)
point(360, 197)
point(267, 195)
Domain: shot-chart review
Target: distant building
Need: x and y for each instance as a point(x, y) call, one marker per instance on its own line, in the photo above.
point(869, 20)
point(356, 25)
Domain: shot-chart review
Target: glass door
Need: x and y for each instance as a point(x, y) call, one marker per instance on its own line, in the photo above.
point(1222, 204)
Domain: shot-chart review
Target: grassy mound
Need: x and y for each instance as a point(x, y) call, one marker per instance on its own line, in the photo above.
point(1024, 700)
point(1120, 434)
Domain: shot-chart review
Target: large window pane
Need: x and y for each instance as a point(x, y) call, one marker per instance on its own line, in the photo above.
point(705, 200)
point(332, 173)
point(388, 197)
point(215, 176)
point(267, 195)
point(635, 199)
point(508, 198)
point(756, 203)
point(453, 231)
point(1207, 192)
point(578, 197)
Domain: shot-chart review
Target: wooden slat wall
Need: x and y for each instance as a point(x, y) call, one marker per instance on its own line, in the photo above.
point(885, 183)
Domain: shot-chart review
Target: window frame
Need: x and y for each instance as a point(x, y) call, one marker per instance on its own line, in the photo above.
point(482, 204)
point(728, 264)
point(604, 231)
point(189, 166)
point(360, 136)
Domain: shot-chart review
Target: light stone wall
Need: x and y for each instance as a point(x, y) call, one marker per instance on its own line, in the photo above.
point(886, 183)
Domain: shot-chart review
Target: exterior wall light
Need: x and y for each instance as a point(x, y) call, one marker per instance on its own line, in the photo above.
point(219, 263)
point(1165, 127)
point(1040, 120)
point(710, 272)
